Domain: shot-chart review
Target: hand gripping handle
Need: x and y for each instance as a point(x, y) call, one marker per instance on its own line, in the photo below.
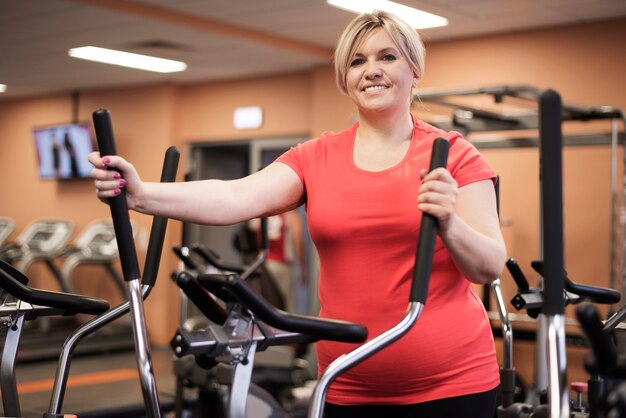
point(119, 208)
point(428, 233)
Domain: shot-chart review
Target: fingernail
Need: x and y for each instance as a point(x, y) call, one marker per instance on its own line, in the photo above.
point(122, 183)
point(117, 192)
point(116, 175)
point(106, 160)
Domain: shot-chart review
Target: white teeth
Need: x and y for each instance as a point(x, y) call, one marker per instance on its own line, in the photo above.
point(371, 88)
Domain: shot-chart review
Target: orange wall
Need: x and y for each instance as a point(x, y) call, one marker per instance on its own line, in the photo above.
point(584, 63)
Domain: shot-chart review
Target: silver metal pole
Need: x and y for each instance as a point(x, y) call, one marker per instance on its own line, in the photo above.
point(242, 375)
point(63, 366)
point(507, 331)
point(558, 397)
point(142, 350)
point(10, 397)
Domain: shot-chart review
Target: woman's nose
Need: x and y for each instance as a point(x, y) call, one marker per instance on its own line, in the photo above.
point(372, 69)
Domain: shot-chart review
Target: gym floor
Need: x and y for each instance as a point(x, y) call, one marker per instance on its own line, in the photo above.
point(105, 385)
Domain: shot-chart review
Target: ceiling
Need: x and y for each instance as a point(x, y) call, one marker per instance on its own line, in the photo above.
point(224, 39)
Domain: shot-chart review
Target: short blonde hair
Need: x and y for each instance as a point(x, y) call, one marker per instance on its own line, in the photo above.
point(405, 37)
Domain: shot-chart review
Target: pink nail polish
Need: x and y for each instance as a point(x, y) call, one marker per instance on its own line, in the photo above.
point(116, 175)
point(117, 192)
point(106, 160)
point(122, 183)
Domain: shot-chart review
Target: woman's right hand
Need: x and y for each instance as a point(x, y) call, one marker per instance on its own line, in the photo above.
point(109, 183)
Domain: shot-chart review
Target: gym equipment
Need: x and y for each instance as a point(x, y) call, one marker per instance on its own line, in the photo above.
point(130, 269)
point(276, 370)
point(95, 245)
point(607, 398)
point(532, 299)
point(250, 324)
point(507, 110)
point(151, 267)
point(550, 301)
point(20, 303)
point(42, 240)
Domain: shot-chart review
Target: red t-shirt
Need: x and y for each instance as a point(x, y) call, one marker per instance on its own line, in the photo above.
point(365, 225)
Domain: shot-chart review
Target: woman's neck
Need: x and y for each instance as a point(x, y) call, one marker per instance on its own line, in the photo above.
point(396, 129)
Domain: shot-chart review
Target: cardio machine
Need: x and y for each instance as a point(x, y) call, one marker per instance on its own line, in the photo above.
point(95, 245)
point(290, 325)
point(277, 370)
point(20, 303)
point(245, 323)
point(42, 240)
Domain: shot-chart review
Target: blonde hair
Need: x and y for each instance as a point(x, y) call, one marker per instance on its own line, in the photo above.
point(404, 36)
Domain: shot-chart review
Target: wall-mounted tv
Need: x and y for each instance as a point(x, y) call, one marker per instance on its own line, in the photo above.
point(62, 150)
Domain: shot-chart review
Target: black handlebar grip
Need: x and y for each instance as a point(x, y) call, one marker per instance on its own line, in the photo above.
point(592, 293)
point(518, 276)
point(552, 197)
point(119, 207)
point(201, 298)
point(428, 233)
point(159, 223)
point(264, 237)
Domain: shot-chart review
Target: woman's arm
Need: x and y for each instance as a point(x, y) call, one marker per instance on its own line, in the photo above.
point(274, 189)
point(468, 224)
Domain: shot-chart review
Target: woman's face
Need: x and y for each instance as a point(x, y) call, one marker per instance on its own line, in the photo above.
point(379, 77)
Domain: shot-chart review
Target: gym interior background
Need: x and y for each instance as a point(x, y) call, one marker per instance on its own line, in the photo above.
point(584, 62)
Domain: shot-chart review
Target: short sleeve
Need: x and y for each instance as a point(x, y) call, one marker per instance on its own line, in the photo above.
point(292, 158)
point(466, 164)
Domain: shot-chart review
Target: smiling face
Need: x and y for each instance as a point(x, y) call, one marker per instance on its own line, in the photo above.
point(379, 78)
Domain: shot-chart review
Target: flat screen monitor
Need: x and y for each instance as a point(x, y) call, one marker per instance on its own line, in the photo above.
point(62, 151)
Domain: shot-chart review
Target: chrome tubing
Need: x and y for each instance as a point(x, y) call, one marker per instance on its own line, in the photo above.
point(242, 376)
point(142, 349)
point(557, 377)
point(507, 331)
point(360, 354)
point(63, 366)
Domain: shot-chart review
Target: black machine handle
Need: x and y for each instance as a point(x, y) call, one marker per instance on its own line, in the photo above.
point(602, 346)
point(318, 328)
point(159, 223)
point(595, 294)
point(214, 259)
point(14, 282)
point(428, 233)
point(119, 207)
point(182, 254)
point(552, 197)
point(518, 276)
point(201, 298)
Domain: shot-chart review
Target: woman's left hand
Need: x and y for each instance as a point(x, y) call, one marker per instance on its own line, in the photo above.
point(438, 196)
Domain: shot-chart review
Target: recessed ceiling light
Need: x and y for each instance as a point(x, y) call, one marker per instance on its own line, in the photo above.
point(3, 88)
point(414, 17)
point(127, 59)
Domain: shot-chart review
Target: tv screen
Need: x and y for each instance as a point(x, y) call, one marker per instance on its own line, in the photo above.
point(62, 151)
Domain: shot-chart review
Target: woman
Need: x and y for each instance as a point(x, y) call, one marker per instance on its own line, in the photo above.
point(365, 189)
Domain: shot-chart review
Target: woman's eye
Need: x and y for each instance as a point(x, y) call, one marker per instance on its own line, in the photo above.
point(357, 61)
point(388, 57)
